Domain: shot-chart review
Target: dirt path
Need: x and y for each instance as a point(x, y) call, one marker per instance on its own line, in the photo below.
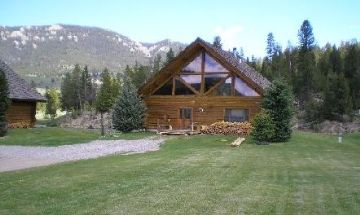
point(22, 157)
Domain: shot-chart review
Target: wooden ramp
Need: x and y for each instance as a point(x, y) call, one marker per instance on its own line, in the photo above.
point(178, 132)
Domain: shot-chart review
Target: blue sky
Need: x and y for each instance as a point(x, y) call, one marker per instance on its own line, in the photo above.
point(239, 23)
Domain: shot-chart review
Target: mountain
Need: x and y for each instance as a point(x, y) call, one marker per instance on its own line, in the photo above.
point(45, 53)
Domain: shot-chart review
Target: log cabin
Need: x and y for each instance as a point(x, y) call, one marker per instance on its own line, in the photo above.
point(22, 109)
point(200, 86)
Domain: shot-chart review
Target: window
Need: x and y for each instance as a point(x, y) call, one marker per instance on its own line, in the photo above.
point(185, 113)
point(236, 115)
point(192, 80)
point(224, 89)
point(181, 89)
point(194, 66)
point(205, 75)
point(166, 89)
point(212, 66)
point(242, 89)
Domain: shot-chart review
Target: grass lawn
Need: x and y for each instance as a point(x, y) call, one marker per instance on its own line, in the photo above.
point(311, 174)
point(53, 136)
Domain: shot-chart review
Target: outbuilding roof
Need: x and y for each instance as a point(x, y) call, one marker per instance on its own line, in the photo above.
point(19, 89)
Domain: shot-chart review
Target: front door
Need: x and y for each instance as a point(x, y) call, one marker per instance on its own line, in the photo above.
point(186, 118)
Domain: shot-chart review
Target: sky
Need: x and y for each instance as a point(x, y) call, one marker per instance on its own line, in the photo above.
point(239, 23)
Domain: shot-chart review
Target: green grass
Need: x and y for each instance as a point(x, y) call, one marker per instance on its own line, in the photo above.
point(61, 136)
point(311, 174)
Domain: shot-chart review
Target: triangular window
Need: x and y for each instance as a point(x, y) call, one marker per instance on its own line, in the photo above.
point(182, 89)
point(242, 89)
point(194, 66)
point(212, 66)
point(166, 89)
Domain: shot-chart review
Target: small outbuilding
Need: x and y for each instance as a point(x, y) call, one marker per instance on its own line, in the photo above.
point(202, 85)
point(22, 110)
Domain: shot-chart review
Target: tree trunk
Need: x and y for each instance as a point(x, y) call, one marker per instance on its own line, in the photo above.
point(102, 124)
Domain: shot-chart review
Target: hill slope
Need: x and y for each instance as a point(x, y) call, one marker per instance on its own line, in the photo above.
point(42, 53)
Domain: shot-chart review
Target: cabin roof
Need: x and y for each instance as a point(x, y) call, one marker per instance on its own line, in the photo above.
point(227, 57)
point(19, 89)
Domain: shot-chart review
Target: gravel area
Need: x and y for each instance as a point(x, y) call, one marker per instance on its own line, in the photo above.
point(22, 157)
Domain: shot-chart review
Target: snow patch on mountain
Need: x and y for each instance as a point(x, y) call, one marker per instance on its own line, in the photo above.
point(55, 28)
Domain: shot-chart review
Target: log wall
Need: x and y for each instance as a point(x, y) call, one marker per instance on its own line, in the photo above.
point(206, 109)
point(21, 114)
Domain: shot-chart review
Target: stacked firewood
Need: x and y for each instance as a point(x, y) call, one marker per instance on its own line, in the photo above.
point(228, 128)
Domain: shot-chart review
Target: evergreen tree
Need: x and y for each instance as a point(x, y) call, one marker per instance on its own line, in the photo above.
point(138, 74)
point(306, 62)
point(67, 92)
point(278, 102)
point(306, 37)
point(352, 72)
point(129, 111)
point(86, 89)
point(270, 46)
point(169, 56)
point(217, 42)
point(53, 102)
point(76, 81)
point(4, 103)
point(264, 127)
point(337, 101)
point(157, 63)
point(336, 62)
point(105, 99)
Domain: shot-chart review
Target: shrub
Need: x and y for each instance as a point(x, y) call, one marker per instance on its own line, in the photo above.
point(228, 128)
point(278, 102)
point(4, 103)
point(264, 127)
point(129, 111)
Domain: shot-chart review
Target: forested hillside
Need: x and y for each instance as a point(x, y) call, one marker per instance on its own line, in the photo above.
point(45, 53)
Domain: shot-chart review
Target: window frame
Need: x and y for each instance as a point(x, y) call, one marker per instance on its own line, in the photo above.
point(237, 108)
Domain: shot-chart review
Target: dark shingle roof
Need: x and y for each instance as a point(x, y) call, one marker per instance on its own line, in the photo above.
point(19, 89)
point(239, 65)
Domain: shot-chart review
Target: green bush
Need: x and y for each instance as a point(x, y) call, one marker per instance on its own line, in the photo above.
point(263, 127)
point(278, 102)
point(129, 111)
point(4, 103)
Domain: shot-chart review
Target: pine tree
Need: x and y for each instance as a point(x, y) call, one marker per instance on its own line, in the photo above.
point(67, 92)
point(270, 46)
point(157, 63)
point(105, 99)
point(53, 102)
point(306, 62)
point(337, 101)
point(306, 37)
point(86, 90)
point(352, 72)
point(217, 42)
point(76, 81)
point(278, 102)
point(4, 103)
point(129, 111)
point(169, 56)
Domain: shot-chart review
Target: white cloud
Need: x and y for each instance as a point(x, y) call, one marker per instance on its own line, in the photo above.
point(230, 36)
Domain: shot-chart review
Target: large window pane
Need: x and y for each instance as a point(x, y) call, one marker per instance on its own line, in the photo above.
point(242, 89)
point(194, 66)
point(211, 65)
point(224, 89)
point(181, 89)
point(212, 79)
point(193, 80)
point(236, 115)
point(166, 89)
